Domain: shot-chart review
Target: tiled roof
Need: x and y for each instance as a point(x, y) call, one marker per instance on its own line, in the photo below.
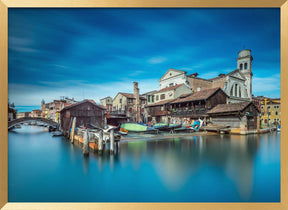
point(105, 97)
point(102, 106)
point(150, 92)
point(162, 102)
point(224, 75)
point(193, 75)
point(234, 107)
point(272, 102)
point(67, 104)
point(170, 88)
point(131, 95)
point(196, 96)
point(185, 95)
point(81, 102)
point(91, 100)
point(128, 95)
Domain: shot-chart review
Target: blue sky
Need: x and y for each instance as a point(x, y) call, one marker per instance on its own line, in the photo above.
point(94, 53)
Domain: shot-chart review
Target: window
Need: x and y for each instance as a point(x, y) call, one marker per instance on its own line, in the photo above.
point(261, 107)
point(245, 66)
point(198, 88)
point(235, 90)
point(162, 96)
point(239, 92)
point(120, 101)
point(149, 98)
point(152, 99)
point(276, 113)
point(241, 66)
point(157, 98)
point(268, 107)
point(231, 91)
point(171, 84)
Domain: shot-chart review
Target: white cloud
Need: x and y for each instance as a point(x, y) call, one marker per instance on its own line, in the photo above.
point(21, 45)
point(136, 73)
point(268, 86)
point(210, 62)
point(157, 60)
point(30, 95)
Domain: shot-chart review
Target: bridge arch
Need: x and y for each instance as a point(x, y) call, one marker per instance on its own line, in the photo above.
point(12, 123)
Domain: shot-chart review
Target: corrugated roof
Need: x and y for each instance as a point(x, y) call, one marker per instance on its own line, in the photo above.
point(234, 107)
point(196, 96)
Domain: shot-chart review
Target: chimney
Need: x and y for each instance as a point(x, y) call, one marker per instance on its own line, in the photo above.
point(137, 101)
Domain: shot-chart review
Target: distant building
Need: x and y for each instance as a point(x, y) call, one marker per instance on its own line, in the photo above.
point(86, 112)
point(270, 111)
point(36, 113)
point(150, 99)
point(23, 114)
point(171, 92)
point(237, 84)
point(257, 101)
point(12, 113)
point(52, 110)
point(107, 102)
point(130, 104)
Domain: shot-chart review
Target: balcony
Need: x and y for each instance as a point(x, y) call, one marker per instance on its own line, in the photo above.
point(160, 113)
point(187, 113)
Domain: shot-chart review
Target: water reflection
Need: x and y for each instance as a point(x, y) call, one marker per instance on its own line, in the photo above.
point(177, 160)
point(191, 168)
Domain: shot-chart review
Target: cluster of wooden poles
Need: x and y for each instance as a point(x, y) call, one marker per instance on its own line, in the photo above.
point(98, 139)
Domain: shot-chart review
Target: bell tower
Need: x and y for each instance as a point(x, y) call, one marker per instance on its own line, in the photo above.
point(244, 64)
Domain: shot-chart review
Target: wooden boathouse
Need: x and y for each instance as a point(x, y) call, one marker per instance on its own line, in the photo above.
point(86, 112)
point(240, 118)
point(191, 106)
point(196, 105)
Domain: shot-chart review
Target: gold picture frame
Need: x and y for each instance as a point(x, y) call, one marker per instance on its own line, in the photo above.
point(5, 4)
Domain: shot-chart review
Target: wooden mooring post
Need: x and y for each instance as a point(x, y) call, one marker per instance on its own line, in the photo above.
point(86, 143)
point(73, 130)
point(100, 142)
point(112, 141)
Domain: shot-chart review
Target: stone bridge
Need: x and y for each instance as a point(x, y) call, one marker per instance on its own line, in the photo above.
point(12, 123)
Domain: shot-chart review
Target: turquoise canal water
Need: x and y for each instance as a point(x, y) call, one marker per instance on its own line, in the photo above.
point(187, 169)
